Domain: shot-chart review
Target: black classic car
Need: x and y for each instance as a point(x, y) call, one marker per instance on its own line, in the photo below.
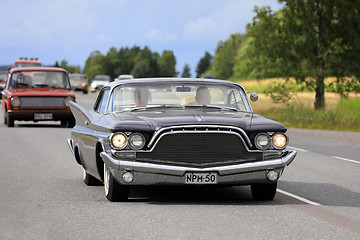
point(176, 131)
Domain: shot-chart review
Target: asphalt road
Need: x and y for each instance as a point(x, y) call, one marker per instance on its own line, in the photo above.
point(42, 195)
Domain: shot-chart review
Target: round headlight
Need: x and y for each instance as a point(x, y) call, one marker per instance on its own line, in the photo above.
point(262, 141)
point(119, 140)
point(67, 100)
point(279, 140)
point(15, 102)
point(136, 141)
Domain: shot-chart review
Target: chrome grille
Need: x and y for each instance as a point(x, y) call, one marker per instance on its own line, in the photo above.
point(200, 148)
point(42, 102)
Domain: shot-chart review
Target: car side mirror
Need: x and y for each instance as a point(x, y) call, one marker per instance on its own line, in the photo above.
point(253, 96)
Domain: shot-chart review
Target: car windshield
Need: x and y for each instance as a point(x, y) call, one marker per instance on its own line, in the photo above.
point(39, 79)
point(102, 78)
point(143, 97)
point(77, 78)
point(26, 64)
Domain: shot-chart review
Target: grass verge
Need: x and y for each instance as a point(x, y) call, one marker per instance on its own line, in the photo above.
point(345, 117)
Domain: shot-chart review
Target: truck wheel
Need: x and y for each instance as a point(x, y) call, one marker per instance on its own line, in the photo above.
point(114, 191)
point(263, 192)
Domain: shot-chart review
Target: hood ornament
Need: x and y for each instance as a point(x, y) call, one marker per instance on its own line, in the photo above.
point(199, 118)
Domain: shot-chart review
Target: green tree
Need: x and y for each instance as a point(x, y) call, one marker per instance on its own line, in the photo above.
point(224, 59)
point(186, 72)
point(308, 40)
point(166, 63)
point(146, 64)
point(95, 65)
point(71, 69)
point(111, 62)
point(242, 68)
point(204, 64)
point(126, 57)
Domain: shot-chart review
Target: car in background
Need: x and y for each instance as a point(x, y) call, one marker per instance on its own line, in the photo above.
point(38, 94)
point(3, 78)
point(124, 76)
point(79, 82)
point(99, 81)
point(25, 62)
point(203, 132)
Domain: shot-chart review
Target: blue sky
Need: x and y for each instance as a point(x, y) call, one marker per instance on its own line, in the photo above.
point(53, 30)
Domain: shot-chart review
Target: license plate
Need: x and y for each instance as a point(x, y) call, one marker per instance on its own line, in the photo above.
point(201, 178)
point(43, 116)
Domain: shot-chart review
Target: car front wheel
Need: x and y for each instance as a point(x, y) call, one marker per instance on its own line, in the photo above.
point(114, 191)
point(263, 192)
point(90, 180)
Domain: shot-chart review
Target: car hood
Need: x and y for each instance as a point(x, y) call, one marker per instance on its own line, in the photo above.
point(154, 120)
point(41, 92)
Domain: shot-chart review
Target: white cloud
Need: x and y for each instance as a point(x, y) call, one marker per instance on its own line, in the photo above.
point(231, 18)
point(157, 35)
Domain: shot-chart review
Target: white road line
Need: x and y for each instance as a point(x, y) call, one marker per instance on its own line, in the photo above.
point(298, 198)
point(340, 158)
point(346, 159)
point(298, 149)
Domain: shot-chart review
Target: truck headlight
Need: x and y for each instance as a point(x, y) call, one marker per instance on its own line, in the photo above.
point(119, 141)
point(136, 141)
point(279, 140)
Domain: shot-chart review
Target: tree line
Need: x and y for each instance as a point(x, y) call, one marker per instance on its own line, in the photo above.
point(308, 40)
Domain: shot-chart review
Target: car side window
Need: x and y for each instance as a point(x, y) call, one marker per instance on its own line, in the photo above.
point(235, 100)
point(101, 104)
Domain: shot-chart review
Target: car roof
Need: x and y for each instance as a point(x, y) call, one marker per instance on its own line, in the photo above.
point(174, 79)
point(37, 69)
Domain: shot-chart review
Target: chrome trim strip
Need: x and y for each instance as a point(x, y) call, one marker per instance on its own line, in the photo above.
point(71, 145)
point(32, 111)
point(159, 131)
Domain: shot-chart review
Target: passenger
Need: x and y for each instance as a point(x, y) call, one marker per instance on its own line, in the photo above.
point(203, 96)
point(142, 96)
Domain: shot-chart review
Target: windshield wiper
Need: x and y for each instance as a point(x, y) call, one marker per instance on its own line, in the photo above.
point(40, 85)
point(213, 106)
point(155, 107)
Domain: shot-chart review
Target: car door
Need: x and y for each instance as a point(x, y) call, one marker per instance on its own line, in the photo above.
point(90, 141)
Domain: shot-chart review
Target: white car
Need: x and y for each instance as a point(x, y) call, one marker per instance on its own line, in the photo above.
point(124, 76)
point(99, 81)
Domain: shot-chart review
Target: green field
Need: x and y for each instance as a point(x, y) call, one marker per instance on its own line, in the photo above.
point(339, 114)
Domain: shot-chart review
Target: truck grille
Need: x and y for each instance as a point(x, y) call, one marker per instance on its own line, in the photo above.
point(42, 102)
point(199, 149)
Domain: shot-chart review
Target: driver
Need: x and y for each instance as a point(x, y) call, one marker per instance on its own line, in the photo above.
point(18, 82)
point(203, 96)
point(142, 96)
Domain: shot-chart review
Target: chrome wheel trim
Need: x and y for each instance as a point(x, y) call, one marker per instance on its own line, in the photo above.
point(106, 179)
point(84, 174)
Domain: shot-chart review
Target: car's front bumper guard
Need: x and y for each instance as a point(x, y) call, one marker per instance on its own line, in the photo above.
point(148, 173)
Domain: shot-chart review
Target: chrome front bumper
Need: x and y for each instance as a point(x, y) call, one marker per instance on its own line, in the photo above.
point(156, 174)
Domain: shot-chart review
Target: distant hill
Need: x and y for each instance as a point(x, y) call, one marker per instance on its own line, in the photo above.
point(4, 67)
